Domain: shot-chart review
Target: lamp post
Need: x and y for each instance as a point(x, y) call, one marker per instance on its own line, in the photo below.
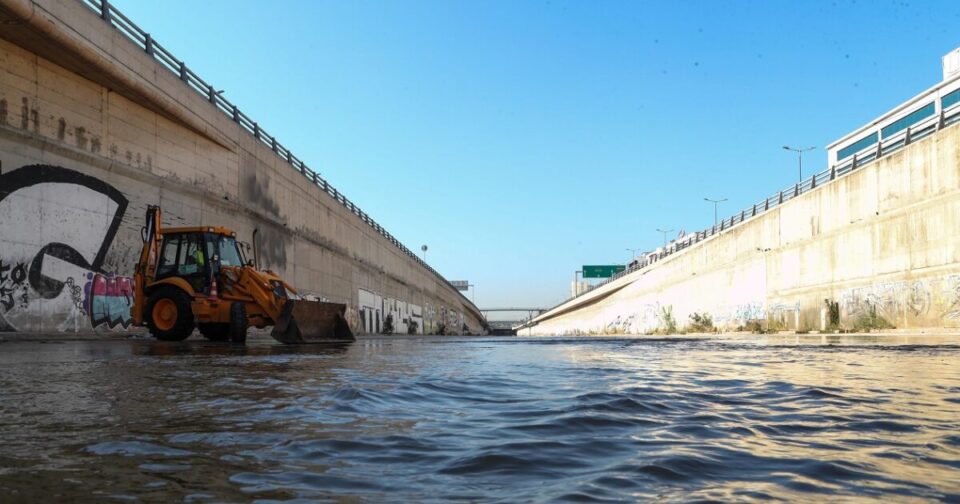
point(715, 203)
point(473, 293)
point(665, 231)
point(423, 248)
point(799, 157)
point(633, 252)
point(576, 283)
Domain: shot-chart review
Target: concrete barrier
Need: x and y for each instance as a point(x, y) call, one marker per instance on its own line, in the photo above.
point(877, 248)
point(93, 129)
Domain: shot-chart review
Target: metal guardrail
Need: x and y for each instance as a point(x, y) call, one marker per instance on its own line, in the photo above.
point(882, 148)
point(112, 16)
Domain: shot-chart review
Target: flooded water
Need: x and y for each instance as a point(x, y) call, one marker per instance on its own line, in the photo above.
point(485, 419)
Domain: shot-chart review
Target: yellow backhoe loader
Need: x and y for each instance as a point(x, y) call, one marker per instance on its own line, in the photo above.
point(197, 277)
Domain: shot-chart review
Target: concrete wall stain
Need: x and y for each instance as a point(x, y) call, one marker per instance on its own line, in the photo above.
point(273, 248)
point(80, 134)
point(256, 191)
point(24, 113)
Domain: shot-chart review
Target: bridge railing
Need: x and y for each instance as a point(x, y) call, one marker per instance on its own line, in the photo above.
point(947, 116)
point(178, 67)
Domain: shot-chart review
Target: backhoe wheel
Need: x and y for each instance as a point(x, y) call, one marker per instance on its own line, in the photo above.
point(238, 322)
point(169, 315)
point(214, 331)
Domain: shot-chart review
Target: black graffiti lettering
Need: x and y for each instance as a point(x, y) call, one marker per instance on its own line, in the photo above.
point(3, 273)
point(19, 274)
point(47, 287)
point(6, 298)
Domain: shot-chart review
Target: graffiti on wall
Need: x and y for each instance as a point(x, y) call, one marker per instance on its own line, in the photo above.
point(108, 299)
point(739, 314)
point(929, 298)
point(890, 300)
point(379, 314)
point(56, 226)
point(950, 296)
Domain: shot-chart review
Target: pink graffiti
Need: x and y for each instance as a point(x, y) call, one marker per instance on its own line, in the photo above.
point(109, 299)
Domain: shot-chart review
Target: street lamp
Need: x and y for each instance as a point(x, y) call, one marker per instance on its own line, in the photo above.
point(715, 203)
point(576, 283)
point(799, 157)
point(665, 231)
point(633, 252)
point(423, 248)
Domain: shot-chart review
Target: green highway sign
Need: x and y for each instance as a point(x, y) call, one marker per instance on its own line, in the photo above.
point(602, 271)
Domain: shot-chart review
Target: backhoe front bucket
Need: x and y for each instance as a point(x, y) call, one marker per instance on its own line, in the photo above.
point(304, 321)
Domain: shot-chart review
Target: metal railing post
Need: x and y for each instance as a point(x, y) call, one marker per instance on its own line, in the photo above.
point(211, 95)
point(940, 119)
point(754, 210)
point(148, 43)
point(833, 172)
point(853, 163)
point(256, 130)
point(183, 71)
point(796, 190)
point(813, 182)
point(105, 10)
point(236, 114)
point(273, 143)
point(780, 202)
point(766, 204)
point(906, 138)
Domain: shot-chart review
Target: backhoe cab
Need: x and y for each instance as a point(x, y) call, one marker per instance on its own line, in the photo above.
point(198, 277)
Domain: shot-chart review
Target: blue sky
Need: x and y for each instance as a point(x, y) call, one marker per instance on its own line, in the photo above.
point(521, 140)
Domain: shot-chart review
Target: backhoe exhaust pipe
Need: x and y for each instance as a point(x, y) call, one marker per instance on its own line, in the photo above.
point(256, 250)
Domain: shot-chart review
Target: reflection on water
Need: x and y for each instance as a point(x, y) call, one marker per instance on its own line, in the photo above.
point(481, 419)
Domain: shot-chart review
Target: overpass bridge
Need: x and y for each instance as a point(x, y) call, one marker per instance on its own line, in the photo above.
point(506, 327)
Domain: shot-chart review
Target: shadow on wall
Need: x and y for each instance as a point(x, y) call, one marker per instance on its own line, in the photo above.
point(56, 226)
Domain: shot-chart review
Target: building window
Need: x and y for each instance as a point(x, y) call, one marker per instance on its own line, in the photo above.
point(949, 99)
point(857, 146)
point(908, 120)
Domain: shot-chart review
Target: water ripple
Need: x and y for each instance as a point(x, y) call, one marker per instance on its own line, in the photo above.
point(484, 420)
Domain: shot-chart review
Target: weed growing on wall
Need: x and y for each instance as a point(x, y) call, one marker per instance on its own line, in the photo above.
point(872, 320)
point(700, 322)
point(412, 327)
point(833, 315)
point(388, 324)
point(775, 325)
point(668, 325)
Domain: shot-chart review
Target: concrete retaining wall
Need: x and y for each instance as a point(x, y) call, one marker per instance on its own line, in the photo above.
point(92, 130)
point(880, 246)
